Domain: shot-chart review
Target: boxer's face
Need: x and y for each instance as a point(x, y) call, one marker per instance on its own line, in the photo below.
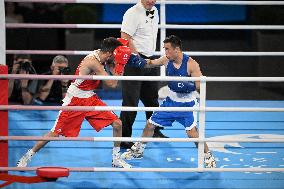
point(108, 57)
point(171, 52)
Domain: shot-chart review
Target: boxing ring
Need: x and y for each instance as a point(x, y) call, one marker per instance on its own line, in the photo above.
point(249, 155)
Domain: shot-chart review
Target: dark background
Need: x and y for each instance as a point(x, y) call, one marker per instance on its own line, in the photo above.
point(193, 40)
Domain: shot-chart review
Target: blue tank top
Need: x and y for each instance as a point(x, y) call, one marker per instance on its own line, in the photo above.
point(180, 86)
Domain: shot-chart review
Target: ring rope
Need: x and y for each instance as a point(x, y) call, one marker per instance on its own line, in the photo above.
point(128, 108)
point(158, 2)
point(192, 53)
point(142, 78)
point(133, 139)
point(168, 26)
point(106, 169)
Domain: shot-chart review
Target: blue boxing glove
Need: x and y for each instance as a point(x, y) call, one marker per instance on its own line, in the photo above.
point(136, 61)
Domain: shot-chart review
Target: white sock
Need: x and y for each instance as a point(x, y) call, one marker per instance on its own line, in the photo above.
point(115, 151)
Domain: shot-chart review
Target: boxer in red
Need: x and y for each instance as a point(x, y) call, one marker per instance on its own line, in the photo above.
point(80, 93)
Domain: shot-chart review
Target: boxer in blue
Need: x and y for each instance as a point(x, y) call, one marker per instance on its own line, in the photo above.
point(181, 94)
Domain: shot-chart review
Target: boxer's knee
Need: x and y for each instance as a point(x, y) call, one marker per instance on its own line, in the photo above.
point(117, 124)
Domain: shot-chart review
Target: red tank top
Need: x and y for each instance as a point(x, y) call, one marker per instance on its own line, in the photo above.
point(86, 85)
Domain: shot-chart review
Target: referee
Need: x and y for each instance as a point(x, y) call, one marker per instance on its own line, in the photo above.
point(140, 27)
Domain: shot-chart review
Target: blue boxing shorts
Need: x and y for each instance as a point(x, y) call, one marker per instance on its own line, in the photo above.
point(165, 118)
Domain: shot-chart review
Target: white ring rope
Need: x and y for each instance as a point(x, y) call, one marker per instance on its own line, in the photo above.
point(49, 52)
point(159, 2)
point(128, 108)
point(132, 139)
point(191, 53)
point(168, 26)
point(106, 169)
point(143, 78)
point(225, 27)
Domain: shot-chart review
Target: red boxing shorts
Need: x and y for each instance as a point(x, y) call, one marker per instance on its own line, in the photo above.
point(69, 123)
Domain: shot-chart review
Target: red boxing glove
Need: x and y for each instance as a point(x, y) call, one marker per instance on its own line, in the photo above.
point(121, 57)
point(124, 41)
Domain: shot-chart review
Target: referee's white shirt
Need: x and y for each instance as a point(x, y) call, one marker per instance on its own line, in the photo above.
point(141, 28)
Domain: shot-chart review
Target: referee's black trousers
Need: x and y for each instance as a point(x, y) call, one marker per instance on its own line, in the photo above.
point(133, 91)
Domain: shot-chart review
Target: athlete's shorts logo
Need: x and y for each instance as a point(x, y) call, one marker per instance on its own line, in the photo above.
point(180, 85)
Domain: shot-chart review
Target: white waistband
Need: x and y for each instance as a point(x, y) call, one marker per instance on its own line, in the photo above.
point(182, 97)
point(73, 91)
point(76, 92)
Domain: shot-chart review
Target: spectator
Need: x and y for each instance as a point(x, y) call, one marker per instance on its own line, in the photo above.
point(53, 91)
point(22, 91)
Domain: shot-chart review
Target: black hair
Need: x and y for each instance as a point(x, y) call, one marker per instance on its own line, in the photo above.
point(109, 44)
point(174, 41)
point(22, 56)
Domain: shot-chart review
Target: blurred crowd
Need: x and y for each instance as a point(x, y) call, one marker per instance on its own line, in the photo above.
point(33, 12)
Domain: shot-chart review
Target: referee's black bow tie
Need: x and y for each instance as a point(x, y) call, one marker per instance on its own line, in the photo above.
point(148, 12)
